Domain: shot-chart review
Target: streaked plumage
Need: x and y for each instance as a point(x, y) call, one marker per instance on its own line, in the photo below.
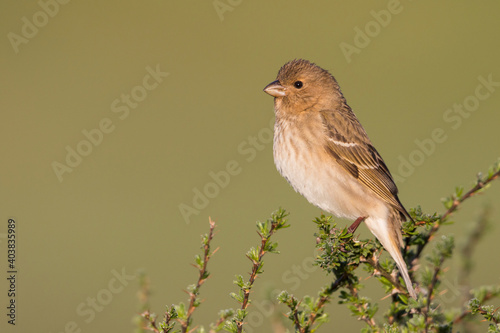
point(325, 154)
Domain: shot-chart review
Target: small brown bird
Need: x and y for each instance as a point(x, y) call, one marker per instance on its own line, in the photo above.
point(323, 151)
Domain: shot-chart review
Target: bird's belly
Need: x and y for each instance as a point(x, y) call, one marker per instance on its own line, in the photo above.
point(325, 184)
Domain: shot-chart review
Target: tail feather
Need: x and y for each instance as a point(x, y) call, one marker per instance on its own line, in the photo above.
point(388, 232)
point(398, 258)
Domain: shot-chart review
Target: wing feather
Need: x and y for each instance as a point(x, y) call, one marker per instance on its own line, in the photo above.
point(350, 146)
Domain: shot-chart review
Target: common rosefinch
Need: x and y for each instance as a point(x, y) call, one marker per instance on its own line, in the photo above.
point(323, 151)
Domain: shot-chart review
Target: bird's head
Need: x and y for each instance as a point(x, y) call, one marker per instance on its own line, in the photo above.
point(303, 86)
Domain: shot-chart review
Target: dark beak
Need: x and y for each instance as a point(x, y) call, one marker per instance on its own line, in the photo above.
point(275, 89)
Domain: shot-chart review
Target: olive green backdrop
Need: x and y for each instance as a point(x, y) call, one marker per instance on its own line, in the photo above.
point(126, 124)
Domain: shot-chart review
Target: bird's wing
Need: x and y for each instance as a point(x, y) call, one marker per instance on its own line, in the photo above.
point(348, 143)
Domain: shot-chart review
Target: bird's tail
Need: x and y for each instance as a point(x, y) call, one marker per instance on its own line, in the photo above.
point(388, 232)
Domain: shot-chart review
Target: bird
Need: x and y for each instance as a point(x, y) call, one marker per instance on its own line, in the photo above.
point(324, 153)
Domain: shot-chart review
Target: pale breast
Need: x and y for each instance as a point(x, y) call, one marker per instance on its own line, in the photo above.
point(300, 157)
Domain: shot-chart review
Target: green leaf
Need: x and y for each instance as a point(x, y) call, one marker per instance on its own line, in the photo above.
point(181, 311)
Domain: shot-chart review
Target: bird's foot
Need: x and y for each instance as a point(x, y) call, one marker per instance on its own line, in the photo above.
point(356, 224)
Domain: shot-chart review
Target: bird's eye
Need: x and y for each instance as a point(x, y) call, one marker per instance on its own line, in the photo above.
point(298, 84)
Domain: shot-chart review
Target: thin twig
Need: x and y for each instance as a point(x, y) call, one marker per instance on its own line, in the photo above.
point(193, 295)
point(151, 321)
point(456, 204)
point(430, 295)
point(296, 319)
point(143, 295)
point(322, 301)
point(467, 312)
point(377, 267)
point(217, 324)
point(480, 185)
point(469, 248)
point(255, 271)
point(485, 312)
point(201, 277)
point(369, 321)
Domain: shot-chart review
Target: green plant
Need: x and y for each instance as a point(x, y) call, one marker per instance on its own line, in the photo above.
point(342, 255)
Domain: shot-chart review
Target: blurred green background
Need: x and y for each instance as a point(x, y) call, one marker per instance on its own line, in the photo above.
point(119, 209)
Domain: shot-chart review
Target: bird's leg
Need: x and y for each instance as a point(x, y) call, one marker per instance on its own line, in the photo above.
point(356, 224)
